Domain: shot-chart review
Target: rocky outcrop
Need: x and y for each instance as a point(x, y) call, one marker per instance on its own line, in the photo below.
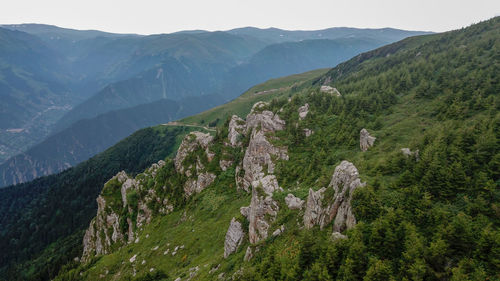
point(105, 230)
point(234, 237)
point(267, 120)
point(314, 214)
point(330, 90)
point(258, 168)
point(258, 160)
point(235, 130)
point(198, 177)
point(189, 144)
point(261, 213)
point(196, 185)
point(321, 211)
point(408, 153)
point(293, 203)
point(365, 140)
point(248, 254)
point(303, 111)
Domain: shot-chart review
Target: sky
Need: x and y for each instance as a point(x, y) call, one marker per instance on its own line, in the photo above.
point(166, 16)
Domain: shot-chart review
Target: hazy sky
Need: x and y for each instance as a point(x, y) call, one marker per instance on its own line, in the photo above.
point(165, 16)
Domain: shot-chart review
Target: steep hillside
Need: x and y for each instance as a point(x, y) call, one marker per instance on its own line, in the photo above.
point(42, 221)
point(384, 168)
point(36, 255)
point(89, 137)
point(283, 59)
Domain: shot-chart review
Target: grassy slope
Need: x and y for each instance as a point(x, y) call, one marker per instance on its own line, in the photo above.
point(241, 106)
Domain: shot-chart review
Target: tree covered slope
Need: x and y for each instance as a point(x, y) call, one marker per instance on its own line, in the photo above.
point(298, 191)
point(88, 137)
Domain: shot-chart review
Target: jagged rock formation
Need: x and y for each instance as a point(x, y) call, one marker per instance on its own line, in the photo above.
point(248, 254)
point(235, 130)
point(234, 237)
point(303, 111)
point(261, 212)
point(260, 151)
point(344, 182)
point(199, 178)
point(330, 90)
point(258, 167)
point(365, 140)
point(293, 203)
point(106, 229)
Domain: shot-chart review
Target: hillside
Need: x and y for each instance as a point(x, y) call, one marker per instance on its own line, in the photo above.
point(190, 64)
point(37, 234)
point(38, 255)
point(394, 176)
point(33, 89)
point(88, 137)
point(283, 59)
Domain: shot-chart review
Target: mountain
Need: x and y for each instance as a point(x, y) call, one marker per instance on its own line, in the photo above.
point(276, 35)
point(48, 71)
point(30, 254)
point(213, 71)
point(33, 88)
point(82, 68)
point(282, 59)
point(385, 167)
point(392, 176)
point(89, 137)
point(172, 66)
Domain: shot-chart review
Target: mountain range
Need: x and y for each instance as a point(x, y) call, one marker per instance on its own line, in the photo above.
point(87, 74)
point(385, 167)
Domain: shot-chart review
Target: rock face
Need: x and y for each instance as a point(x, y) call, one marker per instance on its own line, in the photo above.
point(248, 254)
point(234, 237)
point(345, 181)
point(105, 229)
point(261, 212)
point(268, 121)
point(258, 168)
point(198, 177)
point(330, 90)
point(303, 111)
point(293, 203)
point(258, 160)
point(365, 140)
point(235, 130)
point(189, 144)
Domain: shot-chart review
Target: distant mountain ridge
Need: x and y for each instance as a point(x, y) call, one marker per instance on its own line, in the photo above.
point(103, 72)
point(88, 137)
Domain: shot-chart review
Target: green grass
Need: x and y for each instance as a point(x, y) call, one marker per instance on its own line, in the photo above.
point(241, 106)
point(201, 227)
